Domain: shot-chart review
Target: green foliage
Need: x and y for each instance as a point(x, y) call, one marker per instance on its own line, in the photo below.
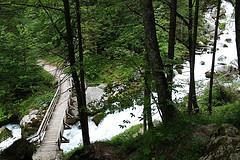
point(221, 95)
point(127, 136)
point(67, 155)
point(222, 26)
point(229, 113)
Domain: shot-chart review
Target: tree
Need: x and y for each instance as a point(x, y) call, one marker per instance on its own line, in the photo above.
point(195, 35)
point(147, 95)
point(213, 57)
point(156, 63)
point(172, 40)
point(192, 98)
point(237, 26)
point(71, 56)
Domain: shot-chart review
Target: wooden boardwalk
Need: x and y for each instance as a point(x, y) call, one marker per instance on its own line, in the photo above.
point(51, 136)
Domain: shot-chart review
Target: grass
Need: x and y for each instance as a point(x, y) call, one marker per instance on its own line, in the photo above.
point(100, 69)
point(67, 155)
point(39, 98)
point(52, 59)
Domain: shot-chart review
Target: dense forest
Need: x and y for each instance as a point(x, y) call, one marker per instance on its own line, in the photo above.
point(120, 79)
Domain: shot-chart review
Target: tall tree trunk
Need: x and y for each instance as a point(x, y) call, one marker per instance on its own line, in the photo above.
point(83, 115)
point(72, 61)
point(172, 41)
point(164, 101)
point(192, 99)
point(237, 25)
point(147, 94)
point(213, 57)
point(195, 34)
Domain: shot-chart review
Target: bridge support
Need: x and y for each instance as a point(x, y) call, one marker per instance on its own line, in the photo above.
point(67, 126)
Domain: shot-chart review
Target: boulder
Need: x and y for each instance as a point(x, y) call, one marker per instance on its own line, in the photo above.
point(226, 69)
point(222, 58)
point(205, 130)
point(19, 150)
point(225, 46)
point(31, 122)
point(208, 74)
point(73, 111)
point(27, 119)
point(179, 68)
point(229, 40)
point(224, 144)
point(94, 94)
point(202, 63)
point(97, 119)
point(5, 133)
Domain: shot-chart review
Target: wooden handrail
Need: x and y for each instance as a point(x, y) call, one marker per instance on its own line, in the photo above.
point(39, 135)
point(62, 128)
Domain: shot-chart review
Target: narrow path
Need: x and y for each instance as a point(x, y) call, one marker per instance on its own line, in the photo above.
point(49, 148)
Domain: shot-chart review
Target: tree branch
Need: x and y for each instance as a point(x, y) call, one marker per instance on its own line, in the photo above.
point(31, 5)
point(51, 19)
point(178, 14)
point(178, 39)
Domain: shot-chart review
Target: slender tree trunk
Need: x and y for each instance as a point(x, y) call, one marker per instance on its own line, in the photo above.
point(195, 34)
point(164, 101)
point(172, 41)
point(192, 98)
point(237, 25)
point(213, 57)
point(83, 115)
point(190, 43)
point(147, 93)
point(144, 119)
point(72, 61)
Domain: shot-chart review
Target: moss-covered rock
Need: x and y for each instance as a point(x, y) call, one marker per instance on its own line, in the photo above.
point(5, 134)
point(97, 119)
point(224, 144)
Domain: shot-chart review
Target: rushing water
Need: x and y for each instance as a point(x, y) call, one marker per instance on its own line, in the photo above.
point(226, 55)
point(16, 134)
point(109, 127)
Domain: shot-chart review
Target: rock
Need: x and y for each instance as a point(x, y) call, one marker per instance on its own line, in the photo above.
point(202, 63)
point(225, 46)
point(229, 40)
point(94, 94)
point(74, 115)
point(224, 144)
point(31, 122)
point(179, 68)
point(205, 130)
point(5, 133)
point(19, 150)
point(97, 119)
point(222, 58)
point(27, 119)
point(226, 69)
point(98, 151)
point(102, 86)
point(200, 43)
point(208, 74)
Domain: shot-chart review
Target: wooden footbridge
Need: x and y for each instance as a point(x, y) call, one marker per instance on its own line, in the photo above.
point(50, 133)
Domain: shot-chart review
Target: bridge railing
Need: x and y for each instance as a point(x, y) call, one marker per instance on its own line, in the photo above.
point(60, 136)
point(39, 135)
